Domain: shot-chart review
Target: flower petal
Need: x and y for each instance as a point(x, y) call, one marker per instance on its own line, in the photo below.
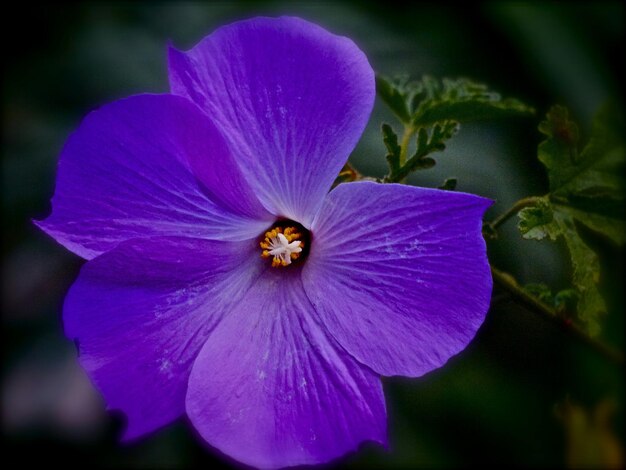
point(126, 173)
point(271, 390)
point(399, 274)
point(142, 311)
point(293, 98)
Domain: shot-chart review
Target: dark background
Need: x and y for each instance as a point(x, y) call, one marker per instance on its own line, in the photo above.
point(523, 393)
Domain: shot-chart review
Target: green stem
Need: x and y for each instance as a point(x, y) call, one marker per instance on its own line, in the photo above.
point(508, 282)
point(514, 209)
point(409, 131)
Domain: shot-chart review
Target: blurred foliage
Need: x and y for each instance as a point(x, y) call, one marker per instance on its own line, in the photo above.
point(590, 440)
point(492, 404)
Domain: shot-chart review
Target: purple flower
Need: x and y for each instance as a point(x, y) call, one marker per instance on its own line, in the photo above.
point(224, 281)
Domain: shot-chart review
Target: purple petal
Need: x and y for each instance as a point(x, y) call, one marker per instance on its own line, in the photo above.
point(142, 311)
point(126, 173)
point(399, 274)
point(271, 390)
point(293, 98)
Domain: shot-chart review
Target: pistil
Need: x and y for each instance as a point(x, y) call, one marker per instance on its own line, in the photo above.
point(283, 244)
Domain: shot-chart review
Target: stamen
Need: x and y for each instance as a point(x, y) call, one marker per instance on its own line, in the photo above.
point(283, 244)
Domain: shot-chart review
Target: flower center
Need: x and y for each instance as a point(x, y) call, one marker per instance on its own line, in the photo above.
point(284, 244)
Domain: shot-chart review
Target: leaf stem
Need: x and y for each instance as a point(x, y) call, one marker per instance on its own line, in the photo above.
point(514, 209)
point(508, 282)
point(409, 131)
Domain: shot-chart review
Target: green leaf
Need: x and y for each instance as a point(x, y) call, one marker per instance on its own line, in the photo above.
point(585, 276)
point(449, 184)
point(586, 187)
point(393, 93)
point(461, 100)
point(559, 151)
point(390, 138)
point(433, 139)
point(537, 222)
point(611, 227)
point(543, 221)
point(563, 301)
point(428, 141)
point(594, 172)
point(540, 291)
point(431, 111)
point(429, 100)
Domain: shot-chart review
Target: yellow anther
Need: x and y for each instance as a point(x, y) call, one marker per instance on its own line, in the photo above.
point(283, 244)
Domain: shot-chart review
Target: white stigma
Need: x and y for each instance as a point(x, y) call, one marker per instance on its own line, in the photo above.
point(281, 248)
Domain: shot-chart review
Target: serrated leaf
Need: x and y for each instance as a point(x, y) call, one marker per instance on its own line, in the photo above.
point(422, 139)
point(537, 222)
point(585, 276)
point(435, 140)
point(431, 111)
point(611, 227)
point(586, 187)
point(393, 94)
point(424, 163)
point(429, 100)
point(541, 221)
point(427, 143)
point(597, 171)
point(559, 151)
point(461, 100)
point(390, 139)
